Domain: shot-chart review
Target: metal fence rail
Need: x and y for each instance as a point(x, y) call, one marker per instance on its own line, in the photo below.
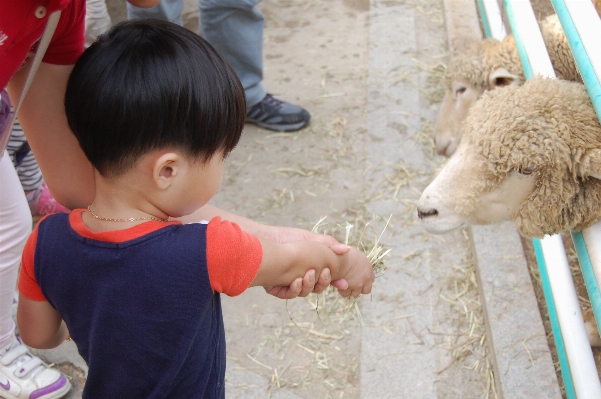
point(582, 27)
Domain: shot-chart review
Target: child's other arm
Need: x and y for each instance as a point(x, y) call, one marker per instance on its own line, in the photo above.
point(40, 325)
point(283, 263)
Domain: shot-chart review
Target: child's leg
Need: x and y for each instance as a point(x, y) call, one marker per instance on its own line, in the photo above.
point(15, 226)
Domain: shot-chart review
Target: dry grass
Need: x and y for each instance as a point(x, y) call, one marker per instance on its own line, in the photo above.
point(368, 243)
point(329, 306)
point(468, 345)
point(434, 89)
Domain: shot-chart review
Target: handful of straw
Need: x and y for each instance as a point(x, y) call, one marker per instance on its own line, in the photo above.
point(375, 252)
point(377, 255)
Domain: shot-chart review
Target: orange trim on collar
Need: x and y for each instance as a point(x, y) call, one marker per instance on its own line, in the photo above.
point(116, 236)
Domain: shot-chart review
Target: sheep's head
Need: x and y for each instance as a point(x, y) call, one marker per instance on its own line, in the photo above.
point(484, 66)
point(530, 154)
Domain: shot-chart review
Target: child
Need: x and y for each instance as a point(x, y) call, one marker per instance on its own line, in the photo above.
point(156, 110)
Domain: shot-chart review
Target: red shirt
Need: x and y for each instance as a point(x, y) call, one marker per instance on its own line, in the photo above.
point(22, 23)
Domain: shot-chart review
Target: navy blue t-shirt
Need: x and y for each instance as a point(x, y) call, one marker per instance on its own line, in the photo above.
point(142, 311)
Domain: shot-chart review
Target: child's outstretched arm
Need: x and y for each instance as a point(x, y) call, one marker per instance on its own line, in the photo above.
point(40, 325)
point(283, 263)
point(300, 287)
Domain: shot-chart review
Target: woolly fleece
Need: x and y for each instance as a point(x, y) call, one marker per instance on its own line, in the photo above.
point(477, 62)
point(550, 127)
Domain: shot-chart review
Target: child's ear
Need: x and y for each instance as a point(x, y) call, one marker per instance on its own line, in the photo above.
point(166, 168)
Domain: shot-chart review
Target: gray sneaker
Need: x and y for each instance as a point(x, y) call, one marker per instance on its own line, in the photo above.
point(277, 115)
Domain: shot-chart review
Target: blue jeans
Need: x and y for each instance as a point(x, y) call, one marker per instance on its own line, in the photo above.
point(233, 27)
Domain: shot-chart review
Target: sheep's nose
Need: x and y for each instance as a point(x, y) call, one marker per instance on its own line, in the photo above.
point(426, 213)
point(442, 150)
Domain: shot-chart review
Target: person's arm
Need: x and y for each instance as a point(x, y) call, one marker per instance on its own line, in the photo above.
point(208, 212)
point(40, 325)
point(282, 263)
point(299, 287)
point(66, 170)
point(273, 233)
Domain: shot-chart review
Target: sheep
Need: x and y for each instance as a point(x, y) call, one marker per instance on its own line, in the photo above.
point(531, 154)
point(489, 64)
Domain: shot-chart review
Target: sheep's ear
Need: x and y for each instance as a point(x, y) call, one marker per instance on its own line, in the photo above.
point(502, 77)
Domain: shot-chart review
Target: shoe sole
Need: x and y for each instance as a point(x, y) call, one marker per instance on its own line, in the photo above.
point(280, 128)
point(58, 393)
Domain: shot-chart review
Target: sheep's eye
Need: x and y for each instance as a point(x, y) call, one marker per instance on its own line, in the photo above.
point(525, 171)
point(460, 90)
point(502, 81)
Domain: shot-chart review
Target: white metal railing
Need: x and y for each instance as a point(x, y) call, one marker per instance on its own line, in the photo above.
point(492, 20)
point(582, 27)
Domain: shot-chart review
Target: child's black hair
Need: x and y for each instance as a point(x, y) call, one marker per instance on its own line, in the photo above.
point(146, 85)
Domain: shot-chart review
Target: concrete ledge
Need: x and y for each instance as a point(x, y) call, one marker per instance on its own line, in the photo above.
point(462, 21)
point(516, 336)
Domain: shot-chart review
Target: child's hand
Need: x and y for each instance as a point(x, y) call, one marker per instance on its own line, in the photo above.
point(307, 285)
point(301, 287)
point(359, 273)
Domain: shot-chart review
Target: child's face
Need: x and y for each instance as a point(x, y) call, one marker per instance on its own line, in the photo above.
point(201, 182)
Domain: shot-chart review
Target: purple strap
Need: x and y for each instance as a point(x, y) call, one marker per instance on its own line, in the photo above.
point(4, 113)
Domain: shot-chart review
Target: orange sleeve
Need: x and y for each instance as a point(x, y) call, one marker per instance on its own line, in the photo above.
point(233, 257)
point(28, 285)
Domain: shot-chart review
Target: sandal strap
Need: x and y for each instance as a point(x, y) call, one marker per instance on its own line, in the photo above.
point(29, 366)
point(14, 354)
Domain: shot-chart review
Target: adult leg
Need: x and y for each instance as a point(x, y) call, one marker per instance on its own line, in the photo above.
point(15, 226)
point(25, 376)
point(166, 10)
point(235, 29)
